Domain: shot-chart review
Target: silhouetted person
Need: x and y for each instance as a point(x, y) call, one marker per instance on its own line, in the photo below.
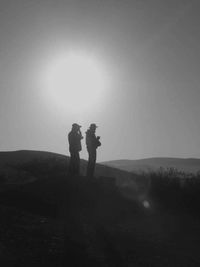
point(92, 142)
point(74, 138)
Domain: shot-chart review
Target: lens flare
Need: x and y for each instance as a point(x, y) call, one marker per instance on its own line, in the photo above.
point(146, 204)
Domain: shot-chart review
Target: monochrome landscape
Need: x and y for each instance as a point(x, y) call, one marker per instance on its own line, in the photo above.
point(117, 219)
point(99, 133)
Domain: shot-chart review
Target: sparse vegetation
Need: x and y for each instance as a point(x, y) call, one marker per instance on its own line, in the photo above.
point(57, 219)
point(176, 189)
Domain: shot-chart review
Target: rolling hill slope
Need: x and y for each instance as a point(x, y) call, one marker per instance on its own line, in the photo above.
point(149, 164)
point(10, 163)
point(59, 220)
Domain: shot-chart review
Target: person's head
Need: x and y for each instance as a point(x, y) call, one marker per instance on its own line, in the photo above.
point(93, 127)
point(76, 127)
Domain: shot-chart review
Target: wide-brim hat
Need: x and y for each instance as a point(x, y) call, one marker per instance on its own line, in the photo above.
point(76, 125)
point(93, 125)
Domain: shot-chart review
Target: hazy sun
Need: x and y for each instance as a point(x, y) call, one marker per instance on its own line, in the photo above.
point(75, 81)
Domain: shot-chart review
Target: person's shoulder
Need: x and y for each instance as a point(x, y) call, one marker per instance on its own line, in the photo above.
point(71, 134)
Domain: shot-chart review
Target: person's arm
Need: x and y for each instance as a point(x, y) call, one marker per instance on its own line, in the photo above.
point(80, 134)
point(98, 143)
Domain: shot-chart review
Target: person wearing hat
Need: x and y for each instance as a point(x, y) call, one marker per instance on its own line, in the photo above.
point(74, 138)
point(92, 143)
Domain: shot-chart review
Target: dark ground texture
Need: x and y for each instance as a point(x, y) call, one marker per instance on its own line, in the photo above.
point(58, 220)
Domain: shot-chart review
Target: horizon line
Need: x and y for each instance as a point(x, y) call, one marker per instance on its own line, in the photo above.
point(104, 161)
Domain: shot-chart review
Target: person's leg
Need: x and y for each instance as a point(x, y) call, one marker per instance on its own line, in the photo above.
point(88, 165)
point(77, 163)
point(91, 163)
point(72, 163)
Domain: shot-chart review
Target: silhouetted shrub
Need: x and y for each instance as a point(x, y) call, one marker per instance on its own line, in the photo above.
point(176, 189)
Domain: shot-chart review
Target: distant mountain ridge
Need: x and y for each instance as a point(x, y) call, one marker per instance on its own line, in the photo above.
point(121, 170)
point(152, 164)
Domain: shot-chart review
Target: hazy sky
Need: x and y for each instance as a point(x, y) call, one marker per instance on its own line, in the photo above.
point(150, 49)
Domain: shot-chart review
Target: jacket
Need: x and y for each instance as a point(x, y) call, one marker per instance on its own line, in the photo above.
point(74, 139)
point(92, 142)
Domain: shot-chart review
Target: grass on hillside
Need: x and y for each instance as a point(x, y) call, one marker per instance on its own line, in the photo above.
point(57, 219)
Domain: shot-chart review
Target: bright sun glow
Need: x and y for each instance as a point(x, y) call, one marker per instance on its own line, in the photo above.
point(75, 81)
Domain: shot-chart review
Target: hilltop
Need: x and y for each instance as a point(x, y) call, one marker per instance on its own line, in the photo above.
point(152, 164)
point(50, 218)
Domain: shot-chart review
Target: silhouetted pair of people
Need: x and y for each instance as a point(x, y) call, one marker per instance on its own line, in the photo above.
point(92, 143)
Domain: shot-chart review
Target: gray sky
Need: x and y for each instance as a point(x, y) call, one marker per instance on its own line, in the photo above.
point(151, 52)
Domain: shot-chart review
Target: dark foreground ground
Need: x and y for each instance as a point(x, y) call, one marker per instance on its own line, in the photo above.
point(64, 221)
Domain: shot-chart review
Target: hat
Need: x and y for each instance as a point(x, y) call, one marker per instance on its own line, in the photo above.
point(93, 125)
point(76, 125)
